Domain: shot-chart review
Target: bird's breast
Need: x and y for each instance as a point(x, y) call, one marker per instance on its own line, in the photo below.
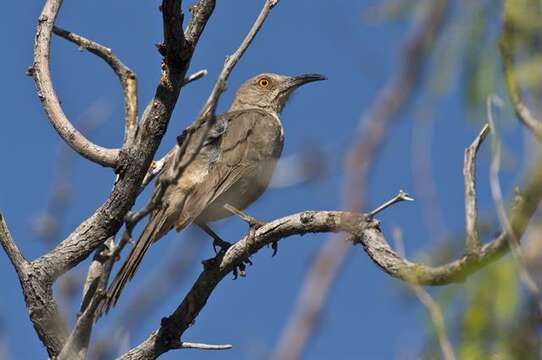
point(265, 147)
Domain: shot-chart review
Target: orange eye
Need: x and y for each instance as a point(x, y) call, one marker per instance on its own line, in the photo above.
point(263, 83)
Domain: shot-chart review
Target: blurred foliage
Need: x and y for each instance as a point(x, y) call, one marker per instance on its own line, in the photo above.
point(490, 316)
point(487, 318)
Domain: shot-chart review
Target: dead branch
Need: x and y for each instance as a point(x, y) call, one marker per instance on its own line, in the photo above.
point(362, 231)
point(131, 163)
point(126, 76)
point(471, 212)
point(50, 102)
point(10, 247)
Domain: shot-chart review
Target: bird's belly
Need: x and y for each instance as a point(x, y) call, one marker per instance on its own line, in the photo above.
point(243, 193)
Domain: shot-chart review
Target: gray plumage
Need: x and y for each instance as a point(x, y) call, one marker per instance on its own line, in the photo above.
point(234, 166)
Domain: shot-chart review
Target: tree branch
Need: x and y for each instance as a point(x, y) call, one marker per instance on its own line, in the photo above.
point(10, 247)
point(216, 269)
point(46, 92)
point(363, 232)
point(132, 164)
point(126, 76)
point(471, 213)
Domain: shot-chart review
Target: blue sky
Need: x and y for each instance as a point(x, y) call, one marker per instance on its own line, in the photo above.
point(367, 316)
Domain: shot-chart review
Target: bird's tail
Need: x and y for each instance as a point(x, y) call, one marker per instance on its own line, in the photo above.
point(152, 232)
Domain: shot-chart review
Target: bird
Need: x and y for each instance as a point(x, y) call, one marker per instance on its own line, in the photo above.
point(227, 161)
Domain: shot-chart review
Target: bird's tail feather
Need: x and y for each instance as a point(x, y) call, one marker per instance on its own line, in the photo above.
point(153, 230)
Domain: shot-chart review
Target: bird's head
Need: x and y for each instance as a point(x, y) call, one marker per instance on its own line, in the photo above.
point(269, 91)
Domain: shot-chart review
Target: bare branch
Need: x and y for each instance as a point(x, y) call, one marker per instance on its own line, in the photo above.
point(217, 268)
point(200, 346)
point(41, 73)
point(401, 196)
point(17, 260)
point(131, 165)
point(126, 76)
point(471, 213)
point(514, 92)
point(195, 76)
point(366, 233)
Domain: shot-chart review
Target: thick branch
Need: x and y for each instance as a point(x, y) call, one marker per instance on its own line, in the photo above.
point(366, 233)
point(217, 268)
point(126, 76)
point(42, 76)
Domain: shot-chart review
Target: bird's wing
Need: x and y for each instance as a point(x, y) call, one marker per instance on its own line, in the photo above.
point(234, 162)
point(210, 171)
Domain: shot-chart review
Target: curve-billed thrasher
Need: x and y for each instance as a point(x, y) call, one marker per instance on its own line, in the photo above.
point(233, 165)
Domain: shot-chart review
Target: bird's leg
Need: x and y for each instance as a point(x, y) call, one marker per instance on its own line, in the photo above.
point(217, 240)
point(254, 224)
point(224, 245)
point(250, 220)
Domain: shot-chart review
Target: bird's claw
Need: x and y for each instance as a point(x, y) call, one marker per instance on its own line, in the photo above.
point(240, 270)
point(275, 248)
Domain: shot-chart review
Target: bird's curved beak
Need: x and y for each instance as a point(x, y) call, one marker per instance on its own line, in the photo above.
point(305, 79)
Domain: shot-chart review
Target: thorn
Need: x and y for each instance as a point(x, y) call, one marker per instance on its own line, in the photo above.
point(401, 196)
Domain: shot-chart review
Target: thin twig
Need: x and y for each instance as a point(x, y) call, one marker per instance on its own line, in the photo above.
point(471, 213)
point(126, 76)
point(50, 102)
point(513, 238)
point(200, 346)
point(401, 196)
point(433, 309)
point(195, 76)
point(11, 249)
point(437, 319)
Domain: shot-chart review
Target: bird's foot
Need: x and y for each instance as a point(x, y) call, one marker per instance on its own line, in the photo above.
point(275, 248)
point(240, 269)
